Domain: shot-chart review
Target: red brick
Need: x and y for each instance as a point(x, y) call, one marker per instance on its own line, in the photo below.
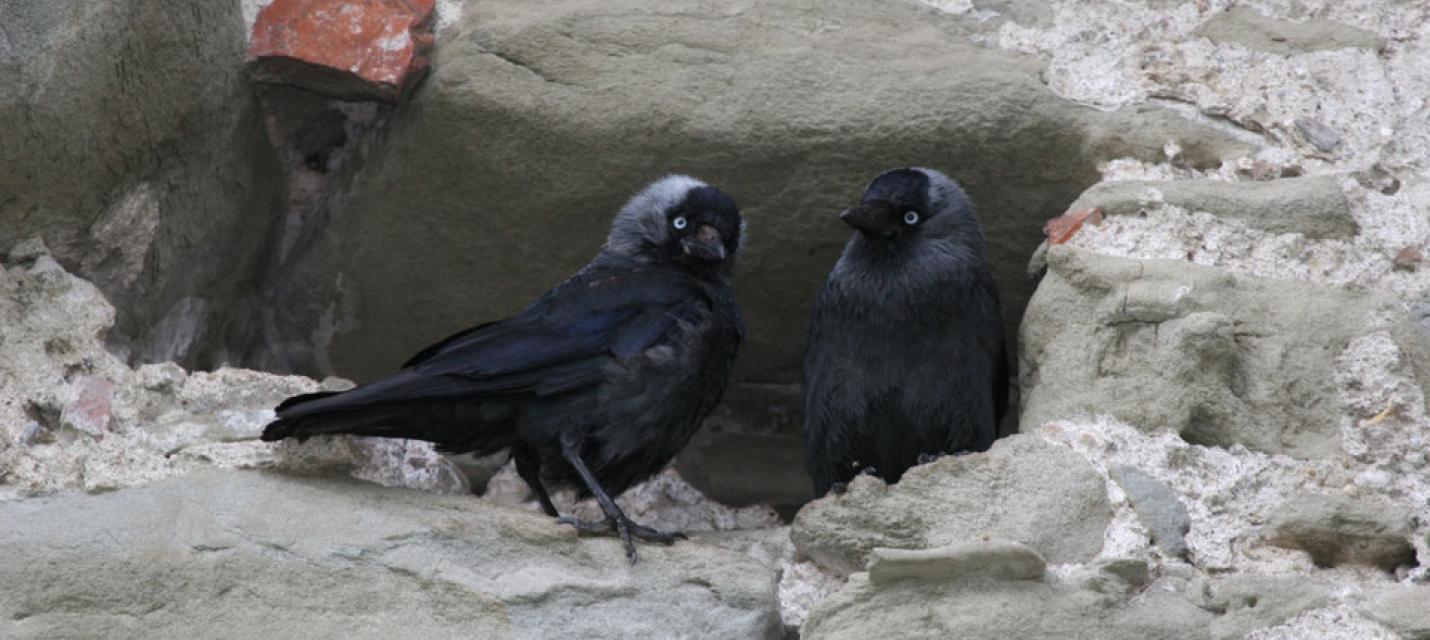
point(90, 410)
point(1064, 227)
point(348, 49)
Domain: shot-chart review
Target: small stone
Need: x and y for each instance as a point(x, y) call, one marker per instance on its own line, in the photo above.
point(1314, 206)
point(1158, 508)
point(1038, 263)
point(997, 560)
point(90, 410)
point(1319, 135)
point(1408, 258)
point(1118, 575)
point(347, 49)
point(1243, 26)
point(1338, 530)
point(30, 433)
point(334, 383)
point(26, 251)
point(161, 376)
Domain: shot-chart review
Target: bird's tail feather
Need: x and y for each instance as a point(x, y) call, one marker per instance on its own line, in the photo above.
point(390, 422)
point(453, 429)
point(305, 397)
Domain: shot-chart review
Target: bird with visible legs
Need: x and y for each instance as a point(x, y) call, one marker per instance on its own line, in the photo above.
point(597, 384)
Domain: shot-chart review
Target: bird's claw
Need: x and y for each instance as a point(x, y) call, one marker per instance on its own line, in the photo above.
point(925, 458)
point(625, 529)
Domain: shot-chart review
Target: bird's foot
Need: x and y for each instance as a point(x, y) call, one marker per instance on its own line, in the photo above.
point(625, 529)
point(925, 458)
point(869, 471)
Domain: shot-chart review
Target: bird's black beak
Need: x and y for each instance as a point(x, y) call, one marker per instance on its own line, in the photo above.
point(875, 217)
point(705, 244)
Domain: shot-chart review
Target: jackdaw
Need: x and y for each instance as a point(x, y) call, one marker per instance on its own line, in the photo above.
point(597, 384)
point(906, 356)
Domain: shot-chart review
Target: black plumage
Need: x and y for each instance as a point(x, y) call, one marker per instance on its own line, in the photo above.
point(594, 386)
point(906, 355)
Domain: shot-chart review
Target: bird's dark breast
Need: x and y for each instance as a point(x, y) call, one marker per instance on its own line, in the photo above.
point(886, 383)
point(648, 406)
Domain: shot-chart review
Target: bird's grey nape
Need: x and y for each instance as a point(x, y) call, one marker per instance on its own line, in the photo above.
point(641, 224)
point(956, 222)
point(944, 192)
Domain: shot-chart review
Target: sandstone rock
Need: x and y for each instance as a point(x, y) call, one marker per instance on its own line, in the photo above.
point(1218, 358)
point(1246, 603)
point(1402, 608)
point(997, 560)
point(223, 552)
point(1339, 530)
point(353, 50)
point(668, 502)
point(138, 155)
point(1023, 489)
point(1119, 575)
point(1313, 206)
point(1158, 508)
point(1332, 622)
point(989, 608)
point(73, 416)
point(1244, 26)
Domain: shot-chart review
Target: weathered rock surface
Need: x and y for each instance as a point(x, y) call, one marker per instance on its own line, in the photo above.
point(1246, 603)
point(1313, 206)
point(74, 416)
point(218, 553)
point(970, 560)
point(352, 50)
point(1400, 608)
point(1218, 358)
point(1245, 27)
point(993, 600)
point(1338, 530)
point(135, 149)
point(1023, 489)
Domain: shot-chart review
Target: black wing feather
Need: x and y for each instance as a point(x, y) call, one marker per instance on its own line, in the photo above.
point(561, 342)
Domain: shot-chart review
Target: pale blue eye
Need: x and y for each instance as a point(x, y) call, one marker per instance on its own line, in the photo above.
point(679, 222)
point(911, 217)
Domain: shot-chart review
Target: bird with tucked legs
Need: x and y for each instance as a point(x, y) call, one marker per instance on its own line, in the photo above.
point(906, 358)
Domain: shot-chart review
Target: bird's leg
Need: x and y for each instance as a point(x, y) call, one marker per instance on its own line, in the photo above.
point(529, 468)
point(616, 520)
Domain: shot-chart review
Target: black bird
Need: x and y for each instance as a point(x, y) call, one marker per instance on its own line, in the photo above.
point(597, 384)
point(906, 355)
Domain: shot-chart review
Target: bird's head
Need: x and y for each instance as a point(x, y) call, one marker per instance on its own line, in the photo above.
point(906, 207)
point(682, 221)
